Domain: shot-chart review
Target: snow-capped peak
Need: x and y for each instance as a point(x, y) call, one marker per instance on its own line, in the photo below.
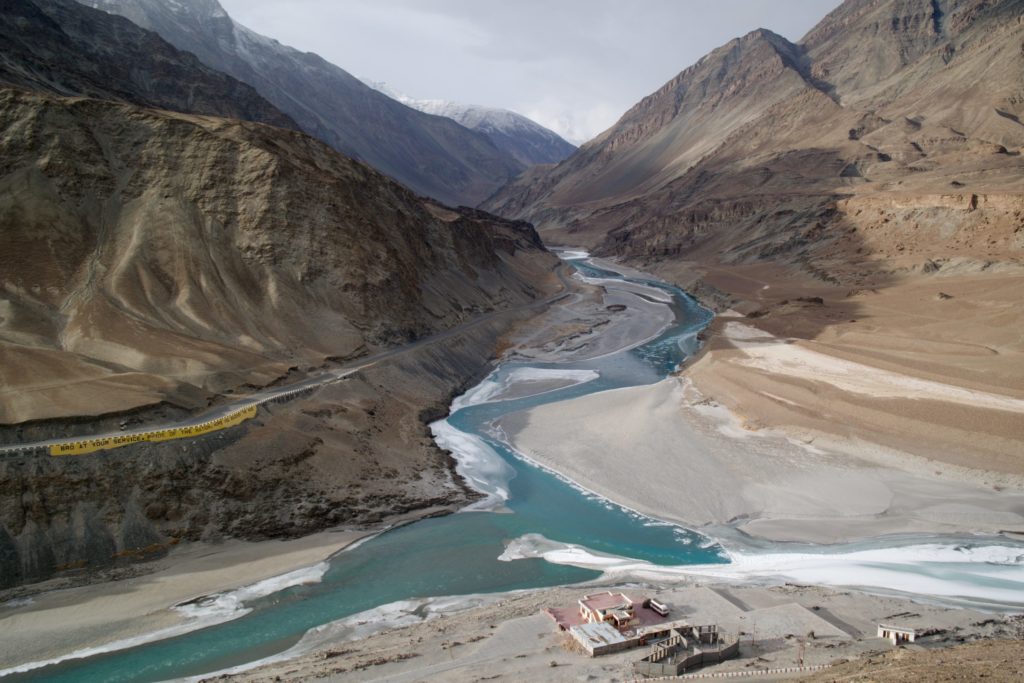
point(524, 138)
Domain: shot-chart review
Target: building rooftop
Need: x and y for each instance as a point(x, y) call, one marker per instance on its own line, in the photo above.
point(606, 601)
point(567, 617)
point(597, 635)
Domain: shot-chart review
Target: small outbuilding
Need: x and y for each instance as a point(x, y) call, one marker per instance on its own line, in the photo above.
point(897, 635)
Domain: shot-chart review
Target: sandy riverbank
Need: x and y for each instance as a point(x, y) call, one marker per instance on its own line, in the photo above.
point(180, 595)
point(600, 317)
point(824, 416)
point(667, 452)
point(930, 365)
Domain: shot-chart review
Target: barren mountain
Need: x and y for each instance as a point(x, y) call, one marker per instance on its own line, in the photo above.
point(151, 260)
point(755, 126)
point(861, 191)
point(525, 140)
point(432, 155)
point(64, 48)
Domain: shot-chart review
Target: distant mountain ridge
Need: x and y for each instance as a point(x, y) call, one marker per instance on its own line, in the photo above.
point(526, 140)
point(743, 155)
point(432, 155)
point(64, 48)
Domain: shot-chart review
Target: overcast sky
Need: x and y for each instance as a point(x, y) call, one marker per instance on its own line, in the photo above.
point(574, 66)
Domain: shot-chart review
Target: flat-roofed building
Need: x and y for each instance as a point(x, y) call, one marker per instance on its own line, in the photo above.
point(897, 635)
point(616, 609)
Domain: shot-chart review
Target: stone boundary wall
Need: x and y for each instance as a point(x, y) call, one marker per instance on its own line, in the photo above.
point(743, 674)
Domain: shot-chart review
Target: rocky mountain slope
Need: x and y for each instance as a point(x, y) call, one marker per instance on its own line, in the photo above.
point(525, 140)
point(736, 153)
point(860, 195)
point(432, 155)
point(65, 48)
point(151, 260)
point(272, 250)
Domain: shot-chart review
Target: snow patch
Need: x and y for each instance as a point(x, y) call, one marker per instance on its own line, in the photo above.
point(964, 573)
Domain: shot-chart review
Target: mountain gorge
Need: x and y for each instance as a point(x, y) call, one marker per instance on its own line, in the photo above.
point(135, 292)
point(432, 155)
point(265, 329)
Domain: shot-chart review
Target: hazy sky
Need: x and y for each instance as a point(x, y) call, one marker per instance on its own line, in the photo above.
point(572, 65)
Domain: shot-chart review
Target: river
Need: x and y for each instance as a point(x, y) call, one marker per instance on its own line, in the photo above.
point(533, 529)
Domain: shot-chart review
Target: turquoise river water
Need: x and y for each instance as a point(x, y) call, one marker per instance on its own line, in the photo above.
point(453, 555)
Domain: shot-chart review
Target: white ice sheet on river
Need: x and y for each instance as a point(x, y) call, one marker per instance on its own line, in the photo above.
point(488, 389)
point(571, 254)
point(981, 575)
point(477, 463)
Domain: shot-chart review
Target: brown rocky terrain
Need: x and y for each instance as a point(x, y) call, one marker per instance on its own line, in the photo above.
point(859, 194)
point(740, 151)
point(995, 660)
point(154, 261)
point(65, 48)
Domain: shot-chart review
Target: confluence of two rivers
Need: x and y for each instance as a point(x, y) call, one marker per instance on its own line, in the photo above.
point(456, 555)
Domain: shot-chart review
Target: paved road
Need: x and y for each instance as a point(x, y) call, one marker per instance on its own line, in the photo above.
point(327, 377)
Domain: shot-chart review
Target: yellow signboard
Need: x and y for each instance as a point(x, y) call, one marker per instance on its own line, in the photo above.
point(103, 443)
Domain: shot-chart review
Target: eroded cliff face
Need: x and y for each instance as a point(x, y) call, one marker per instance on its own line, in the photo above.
point(152, 261)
